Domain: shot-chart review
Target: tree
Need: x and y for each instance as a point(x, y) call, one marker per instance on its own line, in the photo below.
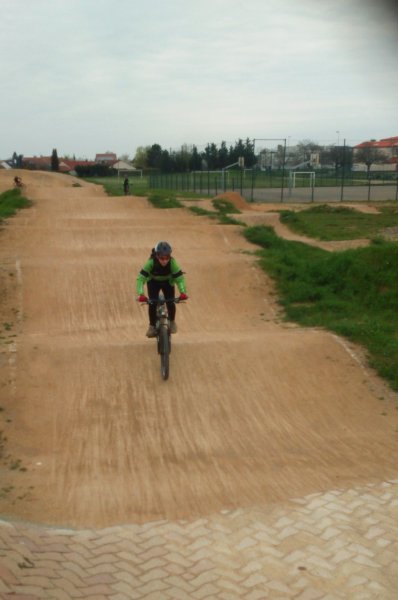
point(54, 161)
point(166, 162)
point(154, 156)
point(211, 156)
point(237, 151)
point(16, 160)
point(182, 159)
point(305, 148)
point(248, 153)
point(369, 154)
point(195, 161)
point(140, 160)
point(223, 155)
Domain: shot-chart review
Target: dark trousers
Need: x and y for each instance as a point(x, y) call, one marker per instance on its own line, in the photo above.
point(154, 287)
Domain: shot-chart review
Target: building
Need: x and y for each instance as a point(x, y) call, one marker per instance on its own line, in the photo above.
point(125, 168)
point(69, 166)
point(108, 158)
point(388, 146)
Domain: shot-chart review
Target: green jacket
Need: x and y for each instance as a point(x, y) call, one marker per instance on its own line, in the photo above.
point(154, 270)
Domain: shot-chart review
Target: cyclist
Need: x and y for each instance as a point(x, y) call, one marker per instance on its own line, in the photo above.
point(126, 186)
point(160, 273)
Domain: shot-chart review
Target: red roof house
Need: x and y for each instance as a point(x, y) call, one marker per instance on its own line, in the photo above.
point(107, 157)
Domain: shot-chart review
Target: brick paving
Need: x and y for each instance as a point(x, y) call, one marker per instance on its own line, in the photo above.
point(326, 546)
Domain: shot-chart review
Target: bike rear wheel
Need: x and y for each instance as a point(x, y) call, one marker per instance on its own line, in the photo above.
point(164, 348)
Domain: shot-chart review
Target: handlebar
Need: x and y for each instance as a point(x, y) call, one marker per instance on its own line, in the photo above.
point(163, 301)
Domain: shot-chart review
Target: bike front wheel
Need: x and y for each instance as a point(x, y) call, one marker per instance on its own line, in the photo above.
point(164, 347)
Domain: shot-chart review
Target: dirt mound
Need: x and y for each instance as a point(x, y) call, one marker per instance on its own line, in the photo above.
point(236, 199)
point(40, 178)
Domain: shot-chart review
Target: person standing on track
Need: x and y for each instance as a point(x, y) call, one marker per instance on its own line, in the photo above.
point(161, 272)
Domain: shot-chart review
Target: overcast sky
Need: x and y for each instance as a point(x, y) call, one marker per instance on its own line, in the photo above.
point(87, 76)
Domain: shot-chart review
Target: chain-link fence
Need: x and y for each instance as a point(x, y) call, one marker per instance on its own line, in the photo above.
point(285, 186)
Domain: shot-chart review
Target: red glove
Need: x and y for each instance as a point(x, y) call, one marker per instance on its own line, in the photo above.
point(142, 298)
point(183, 296)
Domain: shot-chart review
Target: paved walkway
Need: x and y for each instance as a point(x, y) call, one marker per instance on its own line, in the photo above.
point(326, 546)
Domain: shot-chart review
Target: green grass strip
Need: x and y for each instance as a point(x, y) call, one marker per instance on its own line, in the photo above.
point(325, 222)
point(164, 200)
point(353, 293)
point(11, 201)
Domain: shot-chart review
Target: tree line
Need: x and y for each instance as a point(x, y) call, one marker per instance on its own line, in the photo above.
point(189, 158)
point(216, 157)
point(243, 152)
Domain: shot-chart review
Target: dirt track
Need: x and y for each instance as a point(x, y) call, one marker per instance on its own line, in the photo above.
point(254, 412)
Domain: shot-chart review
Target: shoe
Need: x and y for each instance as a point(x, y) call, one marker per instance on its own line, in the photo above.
point(151, 331)
point(173, 327)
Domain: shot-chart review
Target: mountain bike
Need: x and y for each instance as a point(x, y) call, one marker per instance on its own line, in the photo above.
point(163, 334)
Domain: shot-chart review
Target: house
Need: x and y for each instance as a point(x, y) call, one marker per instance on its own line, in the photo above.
point(125, 168)
point(39, 163)
point(388, 146)
point(69, 165)
point(107, 158)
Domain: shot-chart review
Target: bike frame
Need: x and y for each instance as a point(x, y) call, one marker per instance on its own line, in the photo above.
point(163, 335)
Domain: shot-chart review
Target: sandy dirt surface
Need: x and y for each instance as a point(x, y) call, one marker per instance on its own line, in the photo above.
point(255, 411)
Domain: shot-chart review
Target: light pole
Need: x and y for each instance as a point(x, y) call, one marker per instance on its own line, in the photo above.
point(338, 138)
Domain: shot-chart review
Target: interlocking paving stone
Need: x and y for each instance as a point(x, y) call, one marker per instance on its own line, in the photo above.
point(326, 546)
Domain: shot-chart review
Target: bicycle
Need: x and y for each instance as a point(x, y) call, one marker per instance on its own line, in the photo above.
point(163, 334)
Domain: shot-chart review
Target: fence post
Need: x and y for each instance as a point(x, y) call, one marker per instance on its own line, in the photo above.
point(283, 169)
point(343, 174)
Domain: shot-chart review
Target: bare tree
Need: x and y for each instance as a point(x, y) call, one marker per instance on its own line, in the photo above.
point(369, 154)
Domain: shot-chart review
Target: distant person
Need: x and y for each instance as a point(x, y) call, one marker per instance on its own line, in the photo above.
point(17, 181)
point(161, 272)
point(126, 186)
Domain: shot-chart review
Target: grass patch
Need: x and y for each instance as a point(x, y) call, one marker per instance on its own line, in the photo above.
point(164, 200)
point(202, 212)
point(225, 206)
point(227, 220)
point(325, 222)
point(353, 293)
point(11, 201)
point(114, 185)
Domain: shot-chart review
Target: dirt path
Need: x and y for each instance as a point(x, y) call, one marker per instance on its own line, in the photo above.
point(255, 412)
